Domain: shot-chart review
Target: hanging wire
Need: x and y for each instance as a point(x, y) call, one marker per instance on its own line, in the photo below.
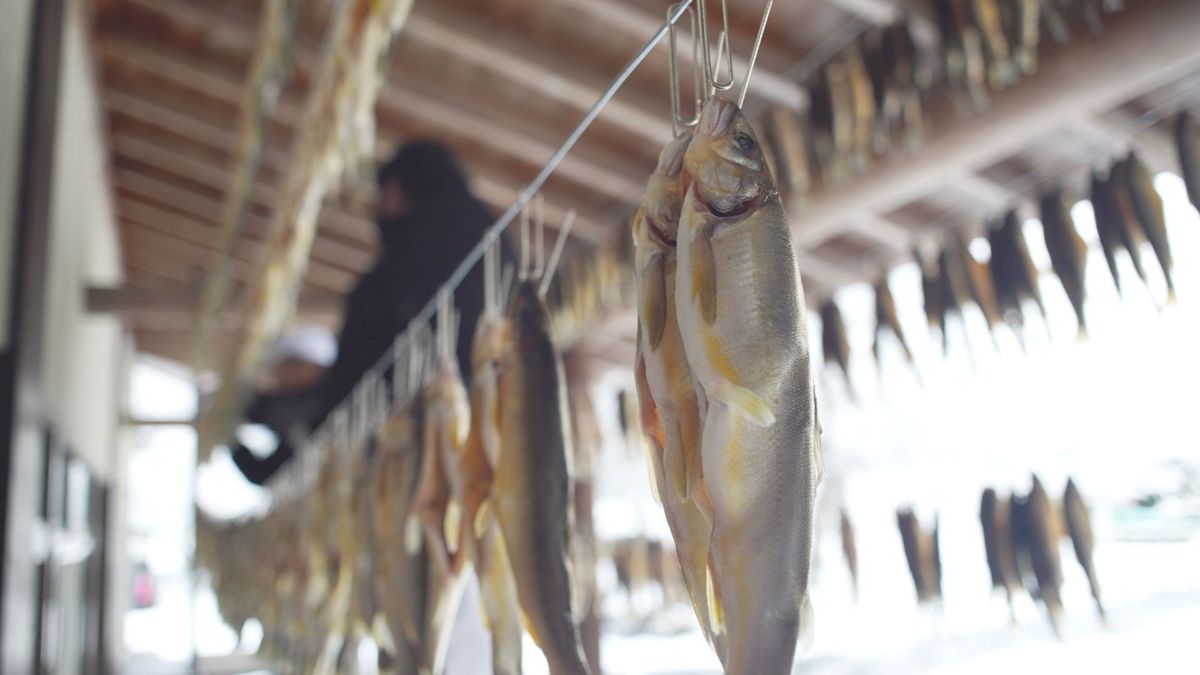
point(762, 28)
point(419, 326)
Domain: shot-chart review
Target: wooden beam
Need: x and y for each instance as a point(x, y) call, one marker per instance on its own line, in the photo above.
point(890, 234)
point(203, 173)
point(1090, 74)
point(185, 71)
point(447, 31)
point(133, 302)
point(203, 234)
point(435, 27)
point(398, 98)
point(641, 25)
point(878, 12)
point(329, 248)
point(479, 129)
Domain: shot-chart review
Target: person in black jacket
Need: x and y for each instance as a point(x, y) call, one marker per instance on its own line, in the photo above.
point(428, 221)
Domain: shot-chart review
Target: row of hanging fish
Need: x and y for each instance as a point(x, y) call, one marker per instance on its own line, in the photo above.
point(727, 397)
point(458, 481)
point(1021, 536)
point(1007, 287)
point(872, 99)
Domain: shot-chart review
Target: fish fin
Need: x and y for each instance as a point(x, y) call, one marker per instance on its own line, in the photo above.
point(693, 463)
point(483, 517)
point(745, 403)
point(452, 526)
point(716, 611)
point(675, 463)
point(704, 277)
point(654, 300)
point(381, 632)
point(806, 624)
point(412, 535)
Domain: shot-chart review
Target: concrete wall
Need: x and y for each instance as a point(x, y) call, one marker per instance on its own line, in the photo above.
point(83, 353)
point(15, 32)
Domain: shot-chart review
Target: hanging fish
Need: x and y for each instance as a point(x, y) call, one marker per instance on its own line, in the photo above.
point(438, 507)
point(1132, 237)
point(1148, 206)
point(1187, 141)
point(1041, 539)
point(477, 465)
point(850, 549)
point(907, 80)
point(910, 537)
point(952, 285)
point(879, 71)
point(1024, 32)
point(1079, 526)
point(821, 122)
point(933, 559)
point(1001, 70)
point(975, 276)
point(402, 580)
point(841, 91)
point(886, 318)
point(931, 291)
point(835, 346)
point(1055, 21)
point(792, 153)
point(862, 103)
point(997, 543)
point(665, 380)
point(1021, 261)
point(532, 491)
point(1068, 252)
point(1008, 294)
point(741, 314)
point(1109, 225)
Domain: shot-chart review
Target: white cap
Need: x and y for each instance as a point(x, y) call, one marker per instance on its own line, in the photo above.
point(309, 343)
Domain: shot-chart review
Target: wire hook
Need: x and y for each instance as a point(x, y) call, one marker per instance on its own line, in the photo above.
point(680, 124)
point(762, 28)
point(713, 84)
point(559, 245)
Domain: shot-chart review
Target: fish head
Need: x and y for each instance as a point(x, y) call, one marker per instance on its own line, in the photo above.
point(489, 341)
point(726, 162)
point(657, 222)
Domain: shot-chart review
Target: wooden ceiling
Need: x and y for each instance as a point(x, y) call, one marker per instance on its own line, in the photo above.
point(502, 82)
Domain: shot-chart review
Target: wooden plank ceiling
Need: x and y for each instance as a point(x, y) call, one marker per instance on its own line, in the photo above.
point(503, 81)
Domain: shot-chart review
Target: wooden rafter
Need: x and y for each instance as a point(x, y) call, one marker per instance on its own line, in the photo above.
point(1088, 74)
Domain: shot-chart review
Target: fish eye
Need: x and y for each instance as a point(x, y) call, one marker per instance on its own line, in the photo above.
point(745, 142)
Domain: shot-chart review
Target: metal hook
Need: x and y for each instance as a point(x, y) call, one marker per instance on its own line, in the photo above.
point(506, 284)
point(559, 245)
point(723, 46)
point(762, 27)
point(539, 246)
point(678, 123)
point(489, 278)
point(523, 246)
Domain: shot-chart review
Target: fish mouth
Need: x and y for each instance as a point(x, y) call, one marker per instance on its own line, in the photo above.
point(657, 234)
point(739, 208)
